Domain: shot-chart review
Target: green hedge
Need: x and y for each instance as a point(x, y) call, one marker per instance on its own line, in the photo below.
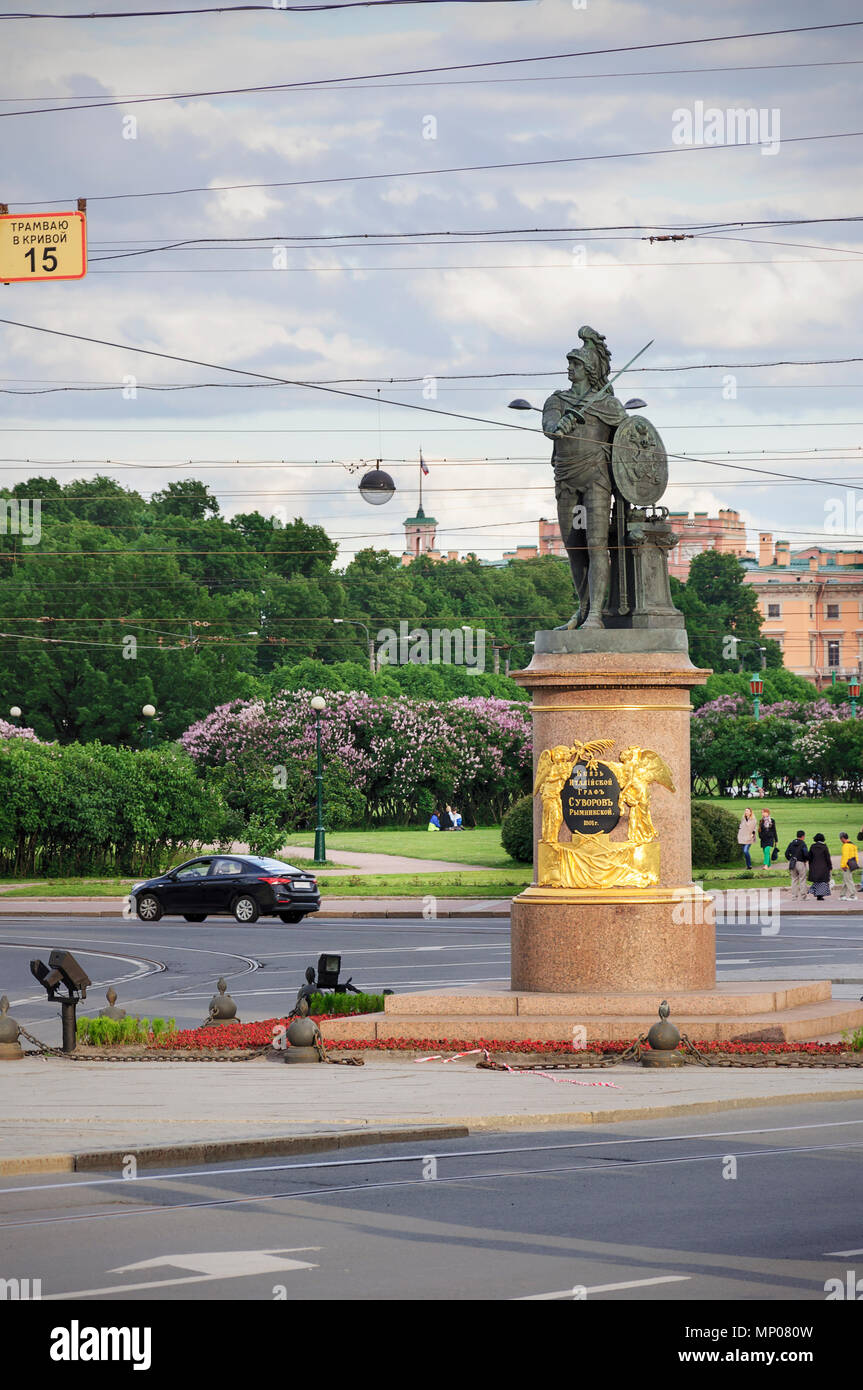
point(108, 1032)
point(92, 809)
point(346, 1004)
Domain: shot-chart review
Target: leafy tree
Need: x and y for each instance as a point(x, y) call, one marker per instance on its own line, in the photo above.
point(187, 498)
point(718, 605)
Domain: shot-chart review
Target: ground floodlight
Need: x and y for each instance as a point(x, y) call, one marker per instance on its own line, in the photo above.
point(329, 968)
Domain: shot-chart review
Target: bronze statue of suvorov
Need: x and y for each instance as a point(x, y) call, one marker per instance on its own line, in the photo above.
point(601, 455)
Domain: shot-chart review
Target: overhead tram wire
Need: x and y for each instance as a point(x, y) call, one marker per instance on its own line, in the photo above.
point(486, 81)
point(238, 9)
point(458, 376)
point(331, 82)
point(236, 371)
point(425, 173)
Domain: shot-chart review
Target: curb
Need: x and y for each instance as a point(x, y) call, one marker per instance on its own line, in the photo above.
point(72, 910)
point(215, 1151)
point(456, 1128)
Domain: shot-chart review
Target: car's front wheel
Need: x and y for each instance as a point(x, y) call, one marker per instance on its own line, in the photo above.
point(246, 910)
point(195, 916)
point(149, 908)
point(291, 916)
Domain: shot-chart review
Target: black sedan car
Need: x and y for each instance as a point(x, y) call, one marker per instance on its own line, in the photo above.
point(245, 886)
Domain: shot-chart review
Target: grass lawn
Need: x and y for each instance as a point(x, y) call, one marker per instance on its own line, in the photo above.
point(480, 846)
point(496, 883)
point(72, 888)
point(792, 813)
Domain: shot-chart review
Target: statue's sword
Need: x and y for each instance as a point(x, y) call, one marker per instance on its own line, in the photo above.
point(574, 411)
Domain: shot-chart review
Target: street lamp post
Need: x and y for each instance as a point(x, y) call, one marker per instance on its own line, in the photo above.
point(756, 686)
point(370, 646)
point(15, 714)
point(319, 704)
point(149, 713)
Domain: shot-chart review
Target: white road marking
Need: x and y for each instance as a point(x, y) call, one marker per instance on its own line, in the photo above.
point(843, 1253)
point(208, 1264)
point(607, 1288)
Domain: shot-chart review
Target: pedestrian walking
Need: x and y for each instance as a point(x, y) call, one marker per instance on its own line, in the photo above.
point(820, 868)
point(848, 866)
point(768, 837)
point(798, 857)
point(746, 833)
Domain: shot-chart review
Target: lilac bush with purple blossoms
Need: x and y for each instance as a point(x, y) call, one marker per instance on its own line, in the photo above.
point(8, 730)
point(405, 756)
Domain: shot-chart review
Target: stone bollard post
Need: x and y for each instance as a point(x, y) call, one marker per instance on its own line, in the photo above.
point(10, 1048)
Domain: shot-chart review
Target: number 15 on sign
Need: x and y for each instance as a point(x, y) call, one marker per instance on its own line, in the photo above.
point(43, 246)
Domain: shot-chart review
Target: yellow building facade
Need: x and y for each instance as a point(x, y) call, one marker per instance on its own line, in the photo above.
point(811, 603)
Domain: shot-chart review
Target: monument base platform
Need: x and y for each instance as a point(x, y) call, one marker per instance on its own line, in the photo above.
point(618, 940)
point(780, 1011)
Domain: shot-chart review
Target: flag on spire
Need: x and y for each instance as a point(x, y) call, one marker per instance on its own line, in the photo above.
point(423, 464)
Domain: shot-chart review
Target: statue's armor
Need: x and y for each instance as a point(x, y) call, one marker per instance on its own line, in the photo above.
point(582, 476)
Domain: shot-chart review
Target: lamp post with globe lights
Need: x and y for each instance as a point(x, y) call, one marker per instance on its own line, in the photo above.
point(319, 704)
point(149, 713)
point(15, 715)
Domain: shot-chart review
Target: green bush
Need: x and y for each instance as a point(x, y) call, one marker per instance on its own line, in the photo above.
point(714, 837)
point(346, 1004)
point(516, 831)
point(87, 808)
point(114, 1032)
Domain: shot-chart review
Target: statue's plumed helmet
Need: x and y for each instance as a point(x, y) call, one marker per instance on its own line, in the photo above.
point(593, 354)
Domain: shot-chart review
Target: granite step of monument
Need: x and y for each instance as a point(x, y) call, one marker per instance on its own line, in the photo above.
point(802, 1023)
point(729, 997)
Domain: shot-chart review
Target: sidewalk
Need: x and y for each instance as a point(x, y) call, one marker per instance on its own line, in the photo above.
point(61, 1116)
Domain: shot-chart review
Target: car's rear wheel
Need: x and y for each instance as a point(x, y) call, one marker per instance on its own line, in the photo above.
point(291, 916)
point(149, 908)
point(246, 910)
point(195, 916)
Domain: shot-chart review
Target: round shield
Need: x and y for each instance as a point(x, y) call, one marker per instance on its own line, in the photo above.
point(639, 462)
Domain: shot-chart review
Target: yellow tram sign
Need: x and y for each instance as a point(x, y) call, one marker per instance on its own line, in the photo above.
point(43, 246)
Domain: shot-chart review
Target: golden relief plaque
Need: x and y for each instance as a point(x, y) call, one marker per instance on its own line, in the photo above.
point(590, 795)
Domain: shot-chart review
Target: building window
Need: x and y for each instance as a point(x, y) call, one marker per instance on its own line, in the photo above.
point(812, 611)
point(833, 610)
point(774, 610)
point(833, 654)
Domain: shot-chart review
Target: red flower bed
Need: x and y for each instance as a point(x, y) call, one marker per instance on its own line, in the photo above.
point(244, 1035)
point(229, 1035)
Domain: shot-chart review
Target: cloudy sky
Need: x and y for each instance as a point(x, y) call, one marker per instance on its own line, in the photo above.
point(477, 320)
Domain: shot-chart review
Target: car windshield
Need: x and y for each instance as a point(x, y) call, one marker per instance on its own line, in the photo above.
point(275, 866)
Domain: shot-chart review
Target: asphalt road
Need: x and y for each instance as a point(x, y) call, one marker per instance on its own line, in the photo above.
point(755, 1205)
point(170, 968)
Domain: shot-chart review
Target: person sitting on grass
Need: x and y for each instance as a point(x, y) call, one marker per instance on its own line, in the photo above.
point(820, 868)
point(434, 821)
